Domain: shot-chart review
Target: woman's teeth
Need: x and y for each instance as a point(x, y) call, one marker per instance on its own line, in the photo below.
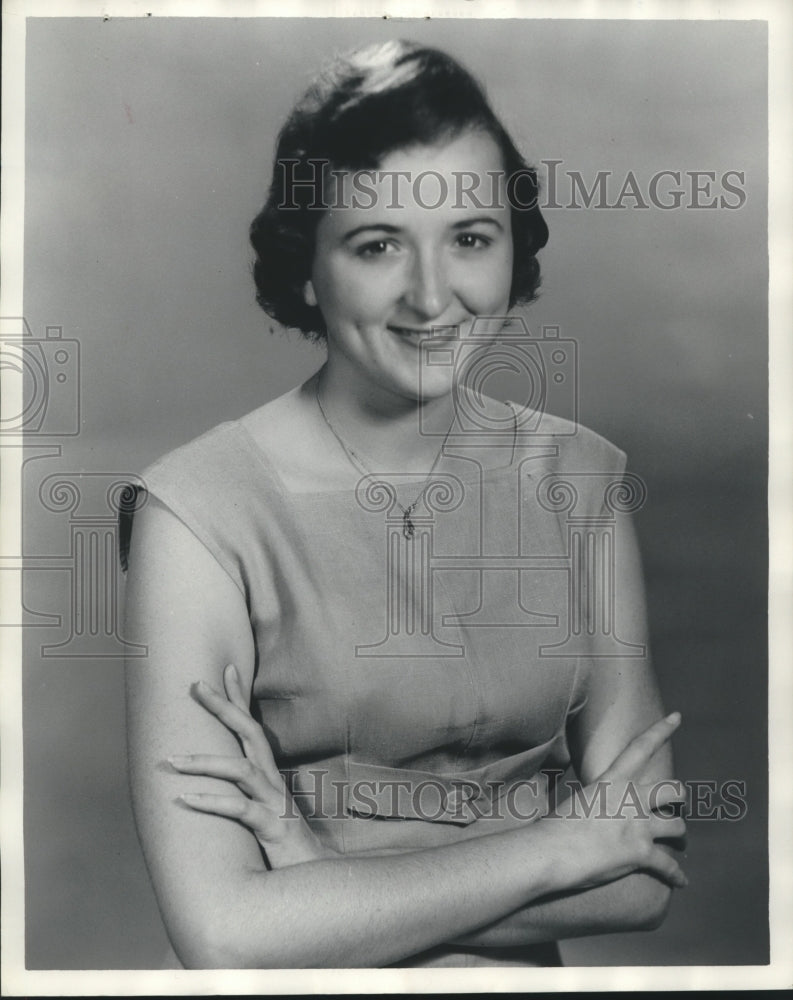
point(414, 336)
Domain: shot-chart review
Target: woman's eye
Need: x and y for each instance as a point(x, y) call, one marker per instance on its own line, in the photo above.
point(472, 241)
point(375, 248)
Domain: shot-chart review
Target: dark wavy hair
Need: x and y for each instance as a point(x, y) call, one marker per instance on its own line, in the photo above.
point(367, 104)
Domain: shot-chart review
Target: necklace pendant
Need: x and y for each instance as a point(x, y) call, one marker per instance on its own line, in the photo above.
point(408, 529)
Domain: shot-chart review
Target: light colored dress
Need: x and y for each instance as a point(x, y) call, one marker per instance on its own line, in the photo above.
point(414, 683)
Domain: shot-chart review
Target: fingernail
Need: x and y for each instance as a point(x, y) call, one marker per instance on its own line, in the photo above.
point(190, 797)
point(674, 718)
point(178, 760)
point(231, 669)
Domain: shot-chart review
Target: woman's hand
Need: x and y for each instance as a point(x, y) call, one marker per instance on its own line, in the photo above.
point(612, 826)
point(267, 808)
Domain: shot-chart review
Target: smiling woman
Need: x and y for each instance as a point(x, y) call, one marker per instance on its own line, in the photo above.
point(385, 277)
point(373, 637)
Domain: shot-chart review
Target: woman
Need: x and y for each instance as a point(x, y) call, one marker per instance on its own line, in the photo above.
point(377, 566)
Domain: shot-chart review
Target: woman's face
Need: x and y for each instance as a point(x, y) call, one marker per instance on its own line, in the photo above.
point(397, 258)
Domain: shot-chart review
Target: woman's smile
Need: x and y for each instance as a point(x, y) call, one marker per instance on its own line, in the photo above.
point(418, 335)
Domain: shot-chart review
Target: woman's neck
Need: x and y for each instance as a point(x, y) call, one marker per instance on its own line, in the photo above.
point(388, 432)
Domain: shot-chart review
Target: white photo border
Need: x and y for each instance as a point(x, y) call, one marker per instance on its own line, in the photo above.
point(16, 980)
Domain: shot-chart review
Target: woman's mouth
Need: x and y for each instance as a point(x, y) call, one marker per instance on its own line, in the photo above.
point(415, 335)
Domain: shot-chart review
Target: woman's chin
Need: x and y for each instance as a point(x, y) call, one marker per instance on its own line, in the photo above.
point(428, 385)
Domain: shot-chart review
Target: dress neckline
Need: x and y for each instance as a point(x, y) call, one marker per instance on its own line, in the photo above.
point(400, 481)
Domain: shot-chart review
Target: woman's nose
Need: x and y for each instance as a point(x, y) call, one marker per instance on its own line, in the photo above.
point(428, 292)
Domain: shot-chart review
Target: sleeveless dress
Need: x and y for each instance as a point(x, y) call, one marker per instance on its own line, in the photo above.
point(412, 678)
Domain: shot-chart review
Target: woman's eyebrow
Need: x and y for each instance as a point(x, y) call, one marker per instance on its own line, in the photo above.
point(478, 220)
point(381, 227)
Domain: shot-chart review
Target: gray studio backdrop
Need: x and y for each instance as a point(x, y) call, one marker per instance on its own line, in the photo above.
point(148, 149)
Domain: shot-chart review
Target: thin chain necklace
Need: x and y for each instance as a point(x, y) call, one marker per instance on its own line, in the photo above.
point(408, 528)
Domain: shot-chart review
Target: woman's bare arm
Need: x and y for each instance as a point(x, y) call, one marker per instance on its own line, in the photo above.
point(221, 905)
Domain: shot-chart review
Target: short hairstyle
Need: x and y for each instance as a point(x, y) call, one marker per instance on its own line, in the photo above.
point(367, 104)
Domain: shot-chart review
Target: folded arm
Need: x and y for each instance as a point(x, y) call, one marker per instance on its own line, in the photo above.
point(220, 903)
point(633, 782)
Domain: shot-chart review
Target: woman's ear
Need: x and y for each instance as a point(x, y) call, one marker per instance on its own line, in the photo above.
point(309, 294)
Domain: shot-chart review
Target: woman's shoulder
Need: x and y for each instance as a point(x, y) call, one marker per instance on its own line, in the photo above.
point(567, 445)
point(215, 484)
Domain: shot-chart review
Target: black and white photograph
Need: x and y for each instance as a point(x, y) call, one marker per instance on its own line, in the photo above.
point(396, 498)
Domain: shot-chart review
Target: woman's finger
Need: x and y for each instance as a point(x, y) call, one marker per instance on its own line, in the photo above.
point(233, 685)
point(239, 721)
point(665, 866)
point(254, 815)
point(242, 723)
point(256, 745)
point(249, 778)
point(640, 750)
point(663, 827)
point(666, 793)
